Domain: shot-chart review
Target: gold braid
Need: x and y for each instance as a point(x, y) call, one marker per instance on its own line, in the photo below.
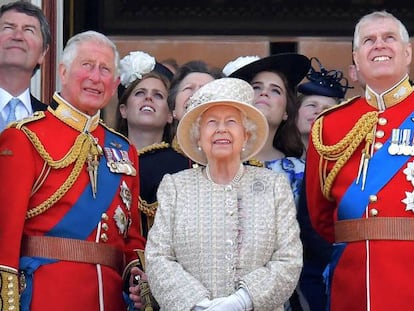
point(343, 150)
point(78, 154)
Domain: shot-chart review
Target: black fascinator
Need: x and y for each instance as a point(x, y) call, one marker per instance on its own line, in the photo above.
point(330, 83)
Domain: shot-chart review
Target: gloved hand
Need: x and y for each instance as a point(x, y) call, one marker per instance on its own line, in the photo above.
point(239, 301)
point(207, 303)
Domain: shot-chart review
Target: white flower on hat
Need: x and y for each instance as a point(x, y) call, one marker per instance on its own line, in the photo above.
point(238, 63)
point(134, 66)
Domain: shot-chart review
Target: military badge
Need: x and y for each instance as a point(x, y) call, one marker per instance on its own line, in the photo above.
point(118, 161)
point(121, 220)
point(409, 201)
point(126, 195)
point(409, 172)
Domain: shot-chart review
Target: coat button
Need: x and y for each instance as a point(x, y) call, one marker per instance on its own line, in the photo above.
point(373, 212)
point(377, 145)
point(373, 198)
point(382, 121)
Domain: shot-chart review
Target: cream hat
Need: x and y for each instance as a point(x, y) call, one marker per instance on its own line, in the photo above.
point(225, 91)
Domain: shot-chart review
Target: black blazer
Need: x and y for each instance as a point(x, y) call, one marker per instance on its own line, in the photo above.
point(37, 105)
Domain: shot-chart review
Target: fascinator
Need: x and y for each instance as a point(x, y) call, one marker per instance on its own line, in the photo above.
point(330, 83)
point(135, 65)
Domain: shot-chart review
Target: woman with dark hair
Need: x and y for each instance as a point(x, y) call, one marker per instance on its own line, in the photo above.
point(145, 118)
point(274, 79)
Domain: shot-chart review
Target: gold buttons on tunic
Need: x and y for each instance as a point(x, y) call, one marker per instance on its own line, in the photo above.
point(382, 121)
point(373, 212)
point(377, 145)
point(373, 198)
point(104, 237)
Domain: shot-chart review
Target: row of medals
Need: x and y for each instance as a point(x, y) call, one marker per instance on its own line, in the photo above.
point(401, 142)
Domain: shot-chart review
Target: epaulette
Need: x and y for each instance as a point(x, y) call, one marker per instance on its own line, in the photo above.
point(254, 162)
point(340, 105)
point(153, 147)
point(37, 115)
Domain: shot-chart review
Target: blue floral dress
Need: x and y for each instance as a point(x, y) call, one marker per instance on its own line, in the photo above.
point(293, 168)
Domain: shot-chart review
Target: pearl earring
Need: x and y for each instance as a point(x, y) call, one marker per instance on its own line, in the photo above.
point(243, 148)
point(199, 148)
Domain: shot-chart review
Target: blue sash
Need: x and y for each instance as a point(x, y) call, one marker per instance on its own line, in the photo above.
point(355, 200)
point(84, 216)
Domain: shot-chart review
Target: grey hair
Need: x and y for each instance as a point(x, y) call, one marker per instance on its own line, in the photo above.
point(71, 49)
point(378, 15)
point(248, 124)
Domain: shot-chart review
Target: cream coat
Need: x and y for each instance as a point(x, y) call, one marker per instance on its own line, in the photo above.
point(210, 239)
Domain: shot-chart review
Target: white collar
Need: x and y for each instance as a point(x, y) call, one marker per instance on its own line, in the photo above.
point(24, 97)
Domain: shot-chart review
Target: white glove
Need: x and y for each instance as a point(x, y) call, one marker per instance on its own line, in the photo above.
point(239, 301)
point(207, 303)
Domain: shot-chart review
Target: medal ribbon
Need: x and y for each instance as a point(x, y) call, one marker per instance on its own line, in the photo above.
point(87, 211)
point(83, 216)
point(355, 200)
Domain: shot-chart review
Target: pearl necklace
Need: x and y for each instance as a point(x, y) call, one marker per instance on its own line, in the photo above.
point(235, 179)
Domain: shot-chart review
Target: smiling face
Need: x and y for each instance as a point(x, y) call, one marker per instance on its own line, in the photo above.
point(89, 82)
point(21, 41)
point(222, 134)
point(146, 106)
point(270, 97)
point(382, 58)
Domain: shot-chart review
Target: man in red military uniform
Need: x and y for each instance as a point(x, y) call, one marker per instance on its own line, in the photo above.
point(361, 155)
point(69, 229)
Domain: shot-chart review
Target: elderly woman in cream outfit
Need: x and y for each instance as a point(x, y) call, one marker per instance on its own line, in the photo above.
point(225, 235)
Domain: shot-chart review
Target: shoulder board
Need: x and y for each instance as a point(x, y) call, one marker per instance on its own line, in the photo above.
point(36, 116)
point(153, 147)
point(340, 105)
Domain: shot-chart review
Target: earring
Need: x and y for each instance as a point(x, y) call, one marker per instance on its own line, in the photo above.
point(199, 148)
point(243, 149)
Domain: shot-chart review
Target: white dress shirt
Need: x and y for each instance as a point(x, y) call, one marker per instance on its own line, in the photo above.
point(22, 111)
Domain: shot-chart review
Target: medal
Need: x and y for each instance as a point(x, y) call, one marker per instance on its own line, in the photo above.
point(393, 148)
point(406, 147)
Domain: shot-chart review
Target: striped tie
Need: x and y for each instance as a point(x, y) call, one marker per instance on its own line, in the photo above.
point(13, 103)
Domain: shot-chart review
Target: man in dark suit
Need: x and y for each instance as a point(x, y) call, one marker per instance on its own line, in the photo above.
point(24, 41)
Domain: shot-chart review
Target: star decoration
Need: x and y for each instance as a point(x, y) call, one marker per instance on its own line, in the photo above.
point(121, 220)
point(409, 172)
point(126, 195)
point(409, 201)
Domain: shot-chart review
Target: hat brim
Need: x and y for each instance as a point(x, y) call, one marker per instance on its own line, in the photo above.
point(292, 65)
point(312, 88)
point(190, 148)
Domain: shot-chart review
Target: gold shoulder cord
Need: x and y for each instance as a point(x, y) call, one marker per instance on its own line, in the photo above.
point(77, 154)
point(343, 150)
point(148, 209)
point(156, 146)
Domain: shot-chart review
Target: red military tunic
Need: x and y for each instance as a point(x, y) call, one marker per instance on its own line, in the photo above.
point(366, 274)
point(27, 183)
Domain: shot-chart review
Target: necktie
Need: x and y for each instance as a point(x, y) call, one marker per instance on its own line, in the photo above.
point(13, 103)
